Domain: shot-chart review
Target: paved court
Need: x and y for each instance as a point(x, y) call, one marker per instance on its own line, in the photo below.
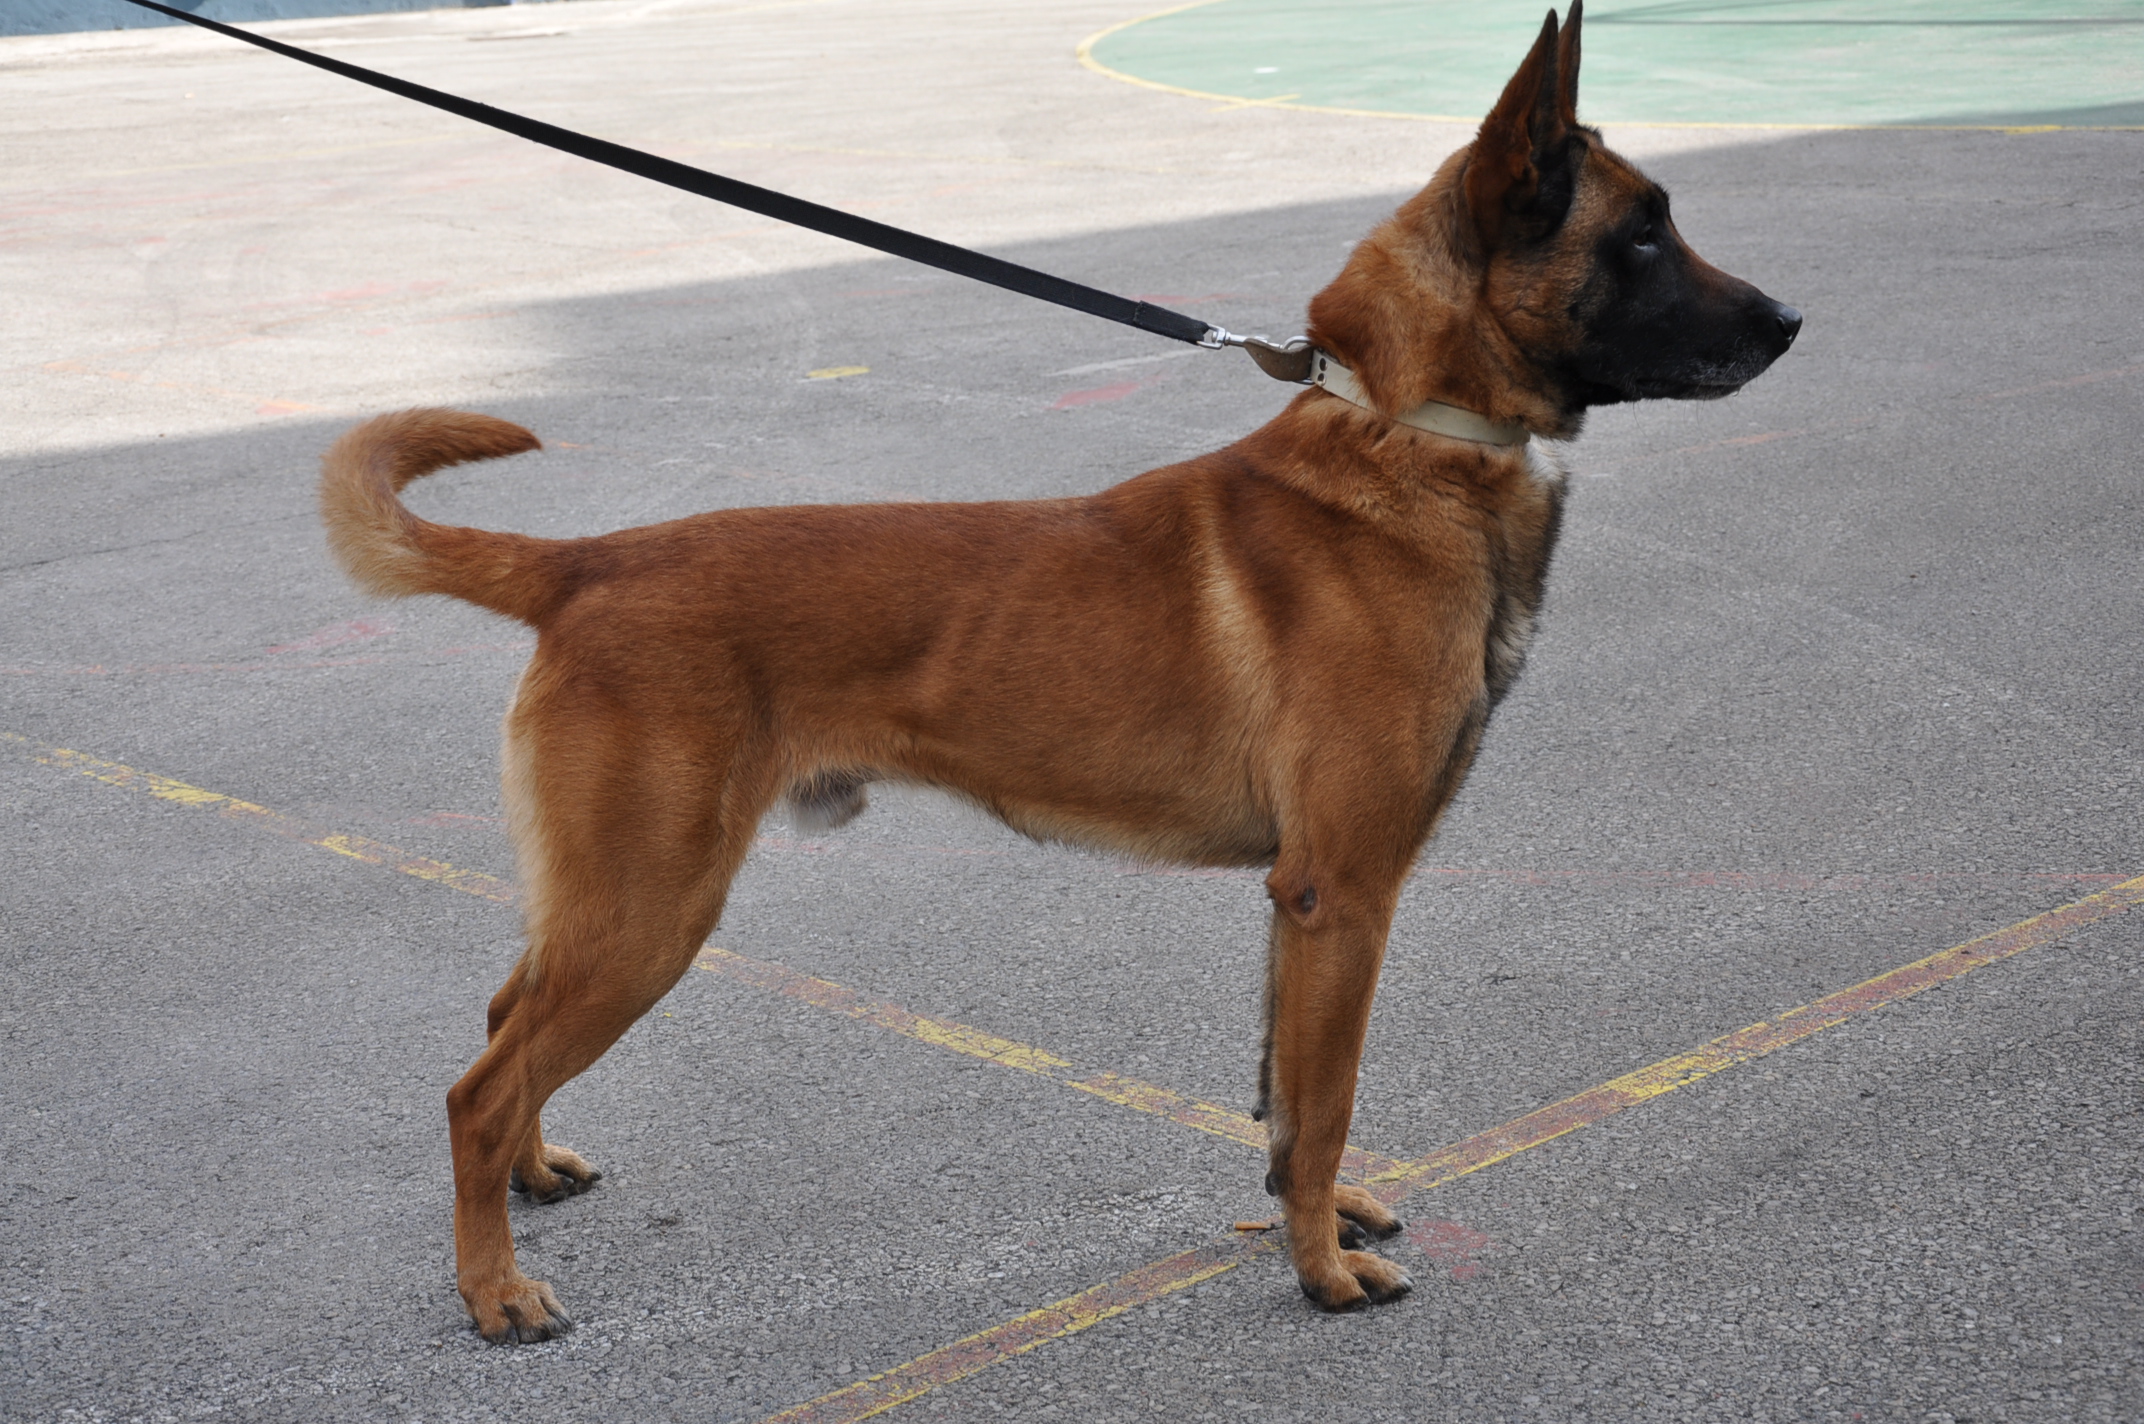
point(1835, 704)
point(1710, 63)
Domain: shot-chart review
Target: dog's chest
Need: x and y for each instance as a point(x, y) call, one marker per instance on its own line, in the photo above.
point(1520, 548)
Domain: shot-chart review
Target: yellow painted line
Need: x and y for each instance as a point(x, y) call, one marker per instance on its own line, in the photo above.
point(835, 373)
point(1091, 1307)
point(1133, 1093)
point(1085, 54)
point(164, 788)
point(1023, 1333)
point(826, 994)
point(1278, 101)
point(1391, 1180)
point(1743, 1045)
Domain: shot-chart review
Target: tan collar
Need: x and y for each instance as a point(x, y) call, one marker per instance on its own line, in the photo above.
point(1434, 416)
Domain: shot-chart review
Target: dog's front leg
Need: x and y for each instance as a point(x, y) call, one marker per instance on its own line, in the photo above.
point(1328, 944)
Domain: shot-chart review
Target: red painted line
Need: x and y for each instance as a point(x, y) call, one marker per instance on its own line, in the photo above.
point(1745, 880)
point(355, 630)
point(465, 316)
point(2087, 379)
point(280, 665)
point(790, 845)
point(162, 669)
point(1762, 438)
point(1099, 395)
point(1777, 880)
point(1448, 1244)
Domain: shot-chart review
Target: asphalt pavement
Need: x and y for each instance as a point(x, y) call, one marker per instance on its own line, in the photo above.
point(1833, 676)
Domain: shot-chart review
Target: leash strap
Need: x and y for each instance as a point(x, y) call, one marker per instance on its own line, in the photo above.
point(833, 222)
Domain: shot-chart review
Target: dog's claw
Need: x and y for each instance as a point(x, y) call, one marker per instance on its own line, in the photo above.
point(1333, 1303)
point(524, 1312)
point(562, 1186)
point(1358, 1208)
point(549, 1328)
point(1400, 1284)
point(1377, 1230)
point(1364, 1279)
point(1356, 1234)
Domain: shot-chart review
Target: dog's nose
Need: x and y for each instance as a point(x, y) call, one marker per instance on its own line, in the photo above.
point(1790, 323)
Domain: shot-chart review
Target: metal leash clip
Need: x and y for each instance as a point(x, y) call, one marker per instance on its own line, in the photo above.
point(1282, 360)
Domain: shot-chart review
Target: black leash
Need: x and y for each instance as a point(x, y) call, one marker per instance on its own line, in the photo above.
point(831, 221)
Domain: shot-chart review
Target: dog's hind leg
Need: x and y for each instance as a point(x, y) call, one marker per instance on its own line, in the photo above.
point(1330, 920)
point(543, 1171)
point(629, 855)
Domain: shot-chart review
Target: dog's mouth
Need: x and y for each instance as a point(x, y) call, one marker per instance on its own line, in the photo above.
point(1712, 379)
point(1695, 390)
point(1713, 385)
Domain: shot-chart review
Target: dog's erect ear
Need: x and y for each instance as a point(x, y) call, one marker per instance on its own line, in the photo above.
point(1518, 175)
point(1567, 65)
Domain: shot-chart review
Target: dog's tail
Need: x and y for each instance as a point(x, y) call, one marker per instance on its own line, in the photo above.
point(389, 551)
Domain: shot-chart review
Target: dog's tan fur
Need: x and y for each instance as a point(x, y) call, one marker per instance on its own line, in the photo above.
point(1281, 654)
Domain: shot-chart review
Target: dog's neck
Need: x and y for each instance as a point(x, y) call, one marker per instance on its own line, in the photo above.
point(1436, 417)
point(1413, 319)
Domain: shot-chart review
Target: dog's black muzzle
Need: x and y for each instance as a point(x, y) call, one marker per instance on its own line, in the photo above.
point(1703, 351)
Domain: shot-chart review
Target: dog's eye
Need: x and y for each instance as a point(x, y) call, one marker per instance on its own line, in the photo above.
point(1645, 239)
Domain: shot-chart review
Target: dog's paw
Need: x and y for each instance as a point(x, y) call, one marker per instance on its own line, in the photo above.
point(1362, 1217)
point(518, 1312)
point(1360, 1279)
point(560, 1174)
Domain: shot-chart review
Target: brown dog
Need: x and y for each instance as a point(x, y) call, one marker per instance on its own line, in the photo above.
point(1281, 654)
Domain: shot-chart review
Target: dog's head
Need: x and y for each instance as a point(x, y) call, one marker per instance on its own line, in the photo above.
point(1540, 274)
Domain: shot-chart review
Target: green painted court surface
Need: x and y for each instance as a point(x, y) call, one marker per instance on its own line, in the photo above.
point(1819, 62)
